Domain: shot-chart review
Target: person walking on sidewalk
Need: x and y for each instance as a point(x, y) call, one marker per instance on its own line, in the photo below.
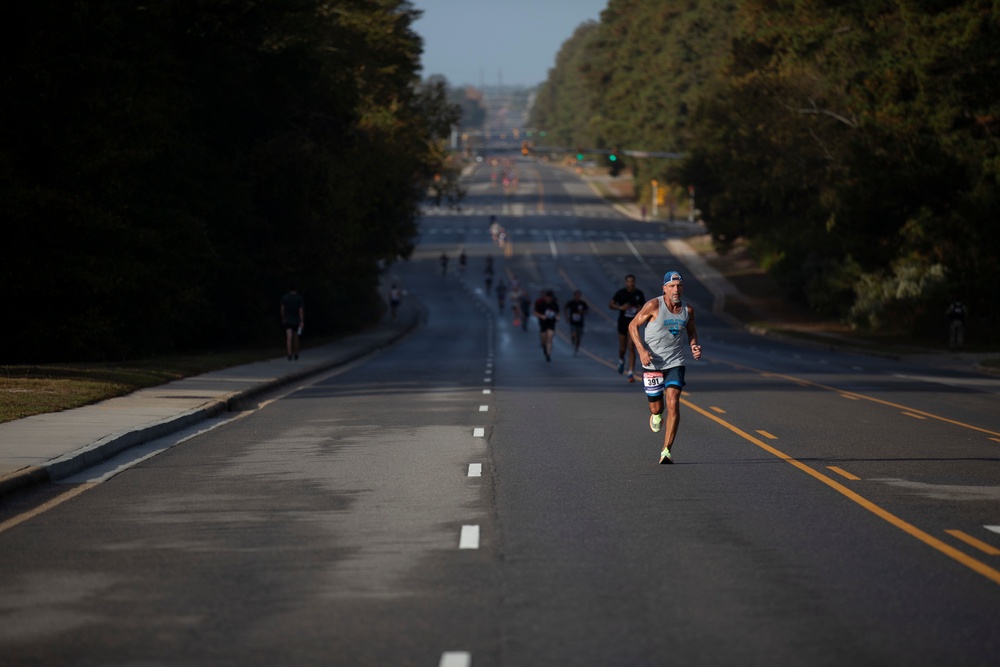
point(547, 312)
point(662, 355)
point(293, 318)
point(395, 296)
point(627, 301)
point(576, 311)
point(956, 324)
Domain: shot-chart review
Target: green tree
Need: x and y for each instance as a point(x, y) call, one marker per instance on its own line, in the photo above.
point(169, 167)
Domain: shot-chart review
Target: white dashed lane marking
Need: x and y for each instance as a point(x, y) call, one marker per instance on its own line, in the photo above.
point(455, 659)
point(469, 538)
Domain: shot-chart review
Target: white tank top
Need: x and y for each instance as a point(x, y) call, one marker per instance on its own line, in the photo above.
point(664, 337)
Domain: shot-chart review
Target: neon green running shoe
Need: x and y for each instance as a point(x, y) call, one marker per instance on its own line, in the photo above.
point(654, 423)
point(666, 457)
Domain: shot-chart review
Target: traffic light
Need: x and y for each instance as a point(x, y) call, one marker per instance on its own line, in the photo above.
point(616, 165)
point(579, 154)
point(524, 148)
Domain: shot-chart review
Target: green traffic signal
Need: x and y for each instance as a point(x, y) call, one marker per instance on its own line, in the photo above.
point(613, 157)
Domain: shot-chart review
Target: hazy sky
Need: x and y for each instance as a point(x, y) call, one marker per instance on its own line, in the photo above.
point(478, 41)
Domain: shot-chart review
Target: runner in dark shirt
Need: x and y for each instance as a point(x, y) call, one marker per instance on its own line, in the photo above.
point(547, 312)
point(576, 311)
point(627, 301)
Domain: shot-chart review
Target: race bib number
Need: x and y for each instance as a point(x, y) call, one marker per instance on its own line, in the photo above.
point(652, 381)
point(631, 311)
point(575, 317)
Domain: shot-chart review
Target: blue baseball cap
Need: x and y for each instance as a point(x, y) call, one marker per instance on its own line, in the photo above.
point(671, 276)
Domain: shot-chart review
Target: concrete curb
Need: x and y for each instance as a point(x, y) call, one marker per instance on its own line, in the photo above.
point(116, 443)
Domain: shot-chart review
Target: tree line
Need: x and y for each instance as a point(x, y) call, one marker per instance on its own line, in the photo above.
point(169, 168)
point(852, 146)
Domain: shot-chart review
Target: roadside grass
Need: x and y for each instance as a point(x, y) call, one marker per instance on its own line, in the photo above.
point(762, 306)
point(27, 390)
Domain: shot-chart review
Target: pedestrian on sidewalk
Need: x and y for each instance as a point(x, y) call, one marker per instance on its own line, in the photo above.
point(395, 296)
point(956, 324)
point(662, 355)
point(293, 318)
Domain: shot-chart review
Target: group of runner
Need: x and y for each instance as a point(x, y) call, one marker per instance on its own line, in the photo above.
point(648, 330)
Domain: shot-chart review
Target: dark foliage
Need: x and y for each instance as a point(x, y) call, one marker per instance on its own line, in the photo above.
point(168, 168)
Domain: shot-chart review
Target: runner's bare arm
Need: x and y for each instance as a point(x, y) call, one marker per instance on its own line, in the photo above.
point(647, 313)
point(692, 331)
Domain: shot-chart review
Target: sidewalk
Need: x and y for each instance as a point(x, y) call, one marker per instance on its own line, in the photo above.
point(47, 447)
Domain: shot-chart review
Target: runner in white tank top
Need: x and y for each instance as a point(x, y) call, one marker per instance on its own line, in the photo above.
point(661, 352)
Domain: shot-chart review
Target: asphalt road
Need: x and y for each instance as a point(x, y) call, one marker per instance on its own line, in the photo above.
point(458, 500)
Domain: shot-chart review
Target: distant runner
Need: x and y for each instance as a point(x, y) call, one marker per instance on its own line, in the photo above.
point(576, 311)
point(547, 312)
point(627, 301)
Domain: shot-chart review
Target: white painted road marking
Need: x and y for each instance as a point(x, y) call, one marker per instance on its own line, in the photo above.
point(479, 433)
point(469, 538)
point(456, 659)
point(484, 408)
point(475, 470)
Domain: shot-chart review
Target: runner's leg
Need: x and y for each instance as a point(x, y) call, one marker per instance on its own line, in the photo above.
point(673, 419)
